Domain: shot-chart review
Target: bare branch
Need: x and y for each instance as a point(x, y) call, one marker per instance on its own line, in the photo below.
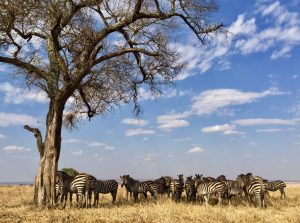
point(39, 140)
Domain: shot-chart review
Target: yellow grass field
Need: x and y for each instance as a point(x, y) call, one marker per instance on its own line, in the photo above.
point(16, 206)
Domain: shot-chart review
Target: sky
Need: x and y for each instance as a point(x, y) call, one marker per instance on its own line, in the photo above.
point(234, 109)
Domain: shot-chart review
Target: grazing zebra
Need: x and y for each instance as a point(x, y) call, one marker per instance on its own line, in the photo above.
point(207, 188)
point(252, 189)
point(140, 187)
point(105, 187)
point(84, 184)
point(63, 187)
point(177, 188)
point(232, 190)
point(128, 190)
point(274, 186)
point(190, 189)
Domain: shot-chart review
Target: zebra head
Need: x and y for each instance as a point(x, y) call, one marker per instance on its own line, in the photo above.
point(189, 178)
point(198, 176)
point(221, 178)
point(168, 181)
point(242, 180)
point(122, 178)
point(250, 177)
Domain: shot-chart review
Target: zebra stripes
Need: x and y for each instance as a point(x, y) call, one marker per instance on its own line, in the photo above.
point(232, 190)
point(105, 187)
point(205, 189)
point(252, 189)
point(63, 188)
point(84, 184)
point(140, 187)
point(274, 186)
point(190, 189)
point(177, 187)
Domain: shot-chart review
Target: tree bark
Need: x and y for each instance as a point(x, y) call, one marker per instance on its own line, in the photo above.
point(44, 186)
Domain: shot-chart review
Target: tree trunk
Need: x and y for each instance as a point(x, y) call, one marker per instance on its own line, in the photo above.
point(44, 191)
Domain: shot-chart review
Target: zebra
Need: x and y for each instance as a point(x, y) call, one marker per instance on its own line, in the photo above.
point(128, 190)
point(168, 181)
point(105, 187)
point(190, 189)
point(252, 188)
point(274, 186)
point(63, 187)
point(177, 188)
point(83, 184)
point(140, 187)
point(232, 190)
point(205, 189)
point(164, 183)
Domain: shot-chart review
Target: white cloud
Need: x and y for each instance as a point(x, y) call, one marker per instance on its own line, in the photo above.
point(262, 121)
point(11, 149)
point(281, 35)
point(2, 136)
point(132, 121)
point(226, 129)
point(172, 120)
point(150, 156)
point(77, 153)
point(195, 150)
point(176, 123)
point(73, 141)
point(271, 26)
point(107, 147)
point(218, 128)
point(240, 26)
point(7, 119)
point(182, 139)
point(96, 144)
point(15, 95)
point(212, 100)
point(139, 131)
point(102, 145)
point(273, 130)
point(168, 93)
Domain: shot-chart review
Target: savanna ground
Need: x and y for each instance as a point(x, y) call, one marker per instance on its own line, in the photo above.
point(16, 206)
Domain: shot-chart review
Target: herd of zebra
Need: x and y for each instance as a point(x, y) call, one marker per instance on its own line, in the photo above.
point(197, 188)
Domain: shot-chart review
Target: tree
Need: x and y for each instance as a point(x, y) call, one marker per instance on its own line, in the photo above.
point(70, 171)
point(93, 54)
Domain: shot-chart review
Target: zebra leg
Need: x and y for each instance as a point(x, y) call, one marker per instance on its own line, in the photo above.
point(206, 198)
point(220, 199)
point(282, 192)
point(145, 194)
point(114, 195)
point(96, 199)
point(135, 196)
point(71, 194)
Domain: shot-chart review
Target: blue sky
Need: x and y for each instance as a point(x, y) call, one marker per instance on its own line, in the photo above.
point(235, 108)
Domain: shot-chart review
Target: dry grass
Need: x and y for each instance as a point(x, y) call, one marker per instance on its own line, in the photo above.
point(16, 206)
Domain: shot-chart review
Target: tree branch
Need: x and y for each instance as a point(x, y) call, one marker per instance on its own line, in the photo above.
point(27, 66)
point(122, 52)
point(39, 140)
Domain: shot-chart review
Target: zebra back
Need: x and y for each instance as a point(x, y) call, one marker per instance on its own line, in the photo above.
point(204, 188)
point(275, 185)
point(105, 187)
